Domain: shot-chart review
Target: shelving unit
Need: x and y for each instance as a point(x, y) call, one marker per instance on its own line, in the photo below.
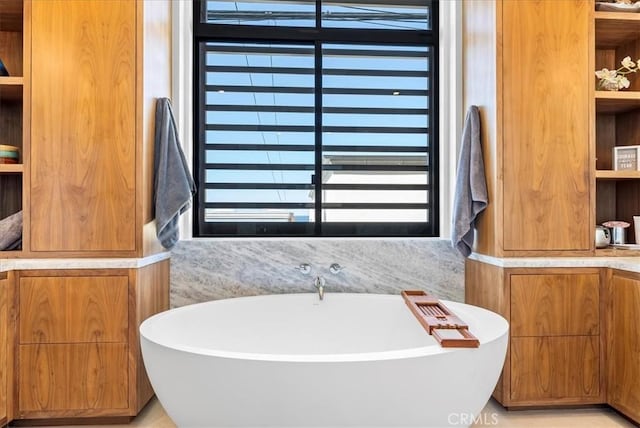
point(12, 106)
point(617, 35)
point(617, 175)
point(11, 88)
point(609, 102)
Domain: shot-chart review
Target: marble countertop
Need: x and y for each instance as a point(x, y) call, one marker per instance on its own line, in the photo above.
point(81, 263)
point(631, 264)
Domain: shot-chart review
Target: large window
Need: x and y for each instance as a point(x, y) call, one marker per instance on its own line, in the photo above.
point(316, 118)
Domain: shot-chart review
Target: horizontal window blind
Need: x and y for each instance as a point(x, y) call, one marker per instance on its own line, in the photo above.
point(297, 135)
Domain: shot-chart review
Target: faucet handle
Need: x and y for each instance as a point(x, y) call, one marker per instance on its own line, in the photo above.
point(304, 268)
point(335, 268)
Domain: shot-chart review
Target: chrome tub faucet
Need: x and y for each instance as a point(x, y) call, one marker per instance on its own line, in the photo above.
point(319, 282)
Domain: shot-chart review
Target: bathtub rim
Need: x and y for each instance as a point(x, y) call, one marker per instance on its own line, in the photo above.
point(398, 354)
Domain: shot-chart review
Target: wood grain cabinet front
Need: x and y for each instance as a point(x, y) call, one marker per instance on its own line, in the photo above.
point(83, 134)
point(78, 351)
point(526, 66)
point(4, 346)
point(623, 343)
point(73, 335)
point(73, 309)
point(555, 349)
point(555, 368)
point(73, 377)
point(555, 304)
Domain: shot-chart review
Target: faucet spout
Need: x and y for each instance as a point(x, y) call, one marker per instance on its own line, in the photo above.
point(319, 284)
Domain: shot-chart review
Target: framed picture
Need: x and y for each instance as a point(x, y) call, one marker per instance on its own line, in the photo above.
point(626, 158)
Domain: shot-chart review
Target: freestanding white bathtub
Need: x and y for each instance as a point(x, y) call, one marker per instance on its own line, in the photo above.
point(351, 360)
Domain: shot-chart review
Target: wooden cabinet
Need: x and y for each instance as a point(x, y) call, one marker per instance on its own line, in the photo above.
point(556, 350)
point(525, 66)
point(555, 337)
point(81, 106)
point(14, 47)
point(78, 350)
point(617, 119)
point(83, 134)
point(73, 334)
point(4, 347)
point(623, 342)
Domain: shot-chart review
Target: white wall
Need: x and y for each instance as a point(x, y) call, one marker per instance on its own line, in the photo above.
point(451, 114)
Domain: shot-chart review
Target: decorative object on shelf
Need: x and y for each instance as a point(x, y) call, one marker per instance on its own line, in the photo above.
point(625, 158)
point(636, 227)
point(9, 154)
point(603, 238)
point(3, 69)
point(11, 232)
point(618, 231)
point(613, 80)
point(618, 6)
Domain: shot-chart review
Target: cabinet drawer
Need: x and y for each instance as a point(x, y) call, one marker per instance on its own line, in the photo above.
point(73, 309)
point(555, 304)
point(73, 377)
point(562, 368)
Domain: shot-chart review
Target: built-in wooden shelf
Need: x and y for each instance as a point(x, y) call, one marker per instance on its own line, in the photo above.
point(617, 101)
point(616, 28)
point(11, 88)
point(617, 175)
point(11, 168)
point(616, 252)
point(11, 15)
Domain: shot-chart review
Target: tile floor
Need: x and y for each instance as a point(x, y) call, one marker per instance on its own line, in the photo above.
point(154, 416)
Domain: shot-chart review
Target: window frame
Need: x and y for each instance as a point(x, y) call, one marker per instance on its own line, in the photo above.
point(316, 36)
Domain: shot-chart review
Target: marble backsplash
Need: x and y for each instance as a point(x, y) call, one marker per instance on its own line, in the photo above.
point(210, 269)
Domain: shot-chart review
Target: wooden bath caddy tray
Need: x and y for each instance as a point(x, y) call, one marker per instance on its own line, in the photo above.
point(439, 321)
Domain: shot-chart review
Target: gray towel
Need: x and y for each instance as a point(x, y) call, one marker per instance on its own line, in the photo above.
point(174, 185)
point(471, 197)
point(11, 231)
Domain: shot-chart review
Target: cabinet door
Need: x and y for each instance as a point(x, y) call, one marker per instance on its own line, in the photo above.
point(545, 369)
point(546, 131)
point(60, 309)
point(623, 344)
point(83, 75)
point(555, 304)
point(4, 344)
point(72, 377)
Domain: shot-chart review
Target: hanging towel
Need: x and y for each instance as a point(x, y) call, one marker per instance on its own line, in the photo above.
point(174, 185)
point(470, 197)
